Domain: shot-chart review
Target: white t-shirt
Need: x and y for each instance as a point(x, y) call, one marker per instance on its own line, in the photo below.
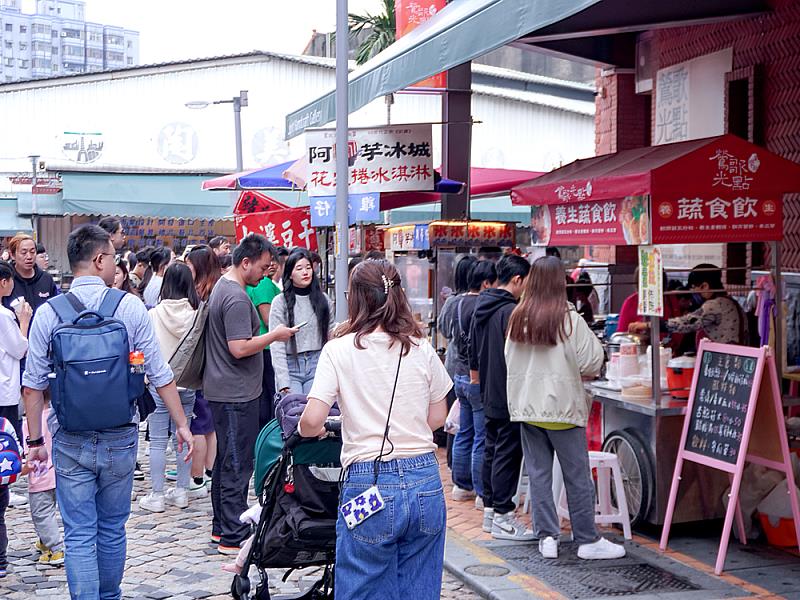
point(362, 380)
point(13, 347)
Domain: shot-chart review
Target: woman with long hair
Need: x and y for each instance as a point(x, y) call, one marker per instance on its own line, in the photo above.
point(122, 277)
point(302, 304)
point(549, 351)
point(391, 389)
point(172, 318)
point(205, 268)
point(160, 259)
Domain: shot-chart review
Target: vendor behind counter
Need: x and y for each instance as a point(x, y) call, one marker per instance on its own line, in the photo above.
point(718, 318)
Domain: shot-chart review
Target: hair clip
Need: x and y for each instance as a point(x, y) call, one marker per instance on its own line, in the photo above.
point(387, 283)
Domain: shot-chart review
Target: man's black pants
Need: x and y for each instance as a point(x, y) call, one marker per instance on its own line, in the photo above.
point(501, 464)
point(236, 424)
point(266, 411)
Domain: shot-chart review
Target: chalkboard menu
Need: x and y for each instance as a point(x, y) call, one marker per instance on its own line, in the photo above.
point(719, 407)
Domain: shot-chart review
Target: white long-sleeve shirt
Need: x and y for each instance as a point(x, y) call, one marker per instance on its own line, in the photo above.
point(13, 347)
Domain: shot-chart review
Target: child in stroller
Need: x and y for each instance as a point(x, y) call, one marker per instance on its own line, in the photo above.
point(297, 483)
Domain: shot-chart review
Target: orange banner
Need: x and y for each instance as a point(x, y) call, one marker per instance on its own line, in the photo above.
point(410, 14)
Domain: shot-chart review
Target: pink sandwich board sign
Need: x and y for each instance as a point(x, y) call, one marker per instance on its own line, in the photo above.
point(734, 416)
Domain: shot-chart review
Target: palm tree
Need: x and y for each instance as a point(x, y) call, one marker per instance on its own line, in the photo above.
point(380, 31)
point(380, 28)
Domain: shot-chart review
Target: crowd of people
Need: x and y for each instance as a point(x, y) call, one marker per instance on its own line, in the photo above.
point(519, 350)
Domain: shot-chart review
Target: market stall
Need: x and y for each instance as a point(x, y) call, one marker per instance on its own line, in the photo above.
point(425, 254)
point(720, 189)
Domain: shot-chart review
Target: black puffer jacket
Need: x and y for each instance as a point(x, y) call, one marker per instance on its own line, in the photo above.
point(487, 348)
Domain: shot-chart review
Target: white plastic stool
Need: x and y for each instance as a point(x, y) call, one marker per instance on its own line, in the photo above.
point(524, 485)
point(607, 466)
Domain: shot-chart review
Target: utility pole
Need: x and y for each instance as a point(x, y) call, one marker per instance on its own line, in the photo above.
point(34, 209)
point(342, 232)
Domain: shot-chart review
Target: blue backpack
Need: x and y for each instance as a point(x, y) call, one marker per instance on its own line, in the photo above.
point(10, 456)
point(92, 385)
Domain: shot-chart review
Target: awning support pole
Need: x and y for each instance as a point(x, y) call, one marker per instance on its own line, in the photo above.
point(776, 262)
point(342, 174)
point(457, 139)
point(655, 357)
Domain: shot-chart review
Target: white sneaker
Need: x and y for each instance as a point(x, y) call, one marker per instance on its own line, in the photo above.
point(548, 547)
point(508, 527)
point(177, 496)
point(17, 499)
point(601, 549)
point(153, 502)
point(488, 519)
point(462, 495)
point(478, 503)
point(197, 491)
point(134, 495)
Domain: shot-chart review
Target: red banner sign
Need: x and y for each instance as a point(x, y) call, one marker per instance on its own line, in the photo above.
point(474, 233)
point(740, 218)
point(616, 222)
point(289, 228)
point(409, 15)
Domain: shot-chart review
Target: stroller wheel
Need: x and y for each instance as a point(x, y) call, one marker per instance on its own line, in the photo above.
point(240, 587)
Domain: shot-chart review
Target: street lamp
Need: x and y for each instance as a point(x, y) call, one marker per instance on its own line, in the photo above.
point(238, 102)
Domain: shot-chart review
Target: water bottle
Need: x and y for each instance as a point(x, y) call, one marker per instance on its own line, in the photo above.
point(137, 362)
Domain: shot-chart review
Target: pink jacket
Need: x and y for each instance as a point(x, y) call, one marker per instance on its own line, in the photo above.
point(48, 480)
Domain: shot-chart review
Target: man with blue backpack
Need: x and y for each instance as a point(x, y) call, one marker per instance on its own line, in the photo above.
point(81, 346)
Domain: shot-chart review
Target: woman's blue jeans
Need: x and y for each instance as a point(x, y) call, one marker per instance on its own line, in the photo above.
point(469, 443)
point(302, 368)
point(399, 551)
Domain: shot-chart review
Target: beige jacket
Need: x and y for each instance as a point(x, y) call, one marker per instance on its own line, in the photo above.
point(544, 382)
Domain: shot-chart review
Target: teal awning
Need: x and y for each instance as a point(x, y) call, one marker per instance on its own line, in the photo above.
point(462, 31)
point(483, 209)
point(143, 195)
point(10, 222)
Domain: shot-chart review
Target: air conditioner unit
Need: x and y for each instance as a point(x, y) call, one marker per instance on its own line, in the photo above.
point(644, 66)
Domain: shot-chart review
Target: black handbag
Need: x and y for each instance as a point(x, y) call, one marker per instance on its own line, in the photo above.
point(145, 404)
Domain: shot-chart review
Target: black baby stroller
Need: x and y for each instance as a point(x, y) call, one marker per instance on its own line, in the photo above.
point(297, 482)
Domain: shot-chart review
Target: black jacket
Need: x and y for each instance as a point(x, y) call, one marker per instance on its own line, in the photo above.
point(487, 348)
point(36, 290)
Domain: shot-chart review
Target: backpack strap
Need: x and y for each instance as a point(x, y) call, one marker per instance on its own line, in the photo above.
point(67, 307)
point(111, 302)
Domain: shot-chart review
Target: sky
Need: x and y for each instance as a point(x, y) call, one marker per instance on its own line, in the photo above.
point(180, 29)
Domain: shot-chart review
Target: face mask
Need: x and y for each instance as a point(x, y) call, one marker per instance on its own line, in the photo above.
point(697, 298)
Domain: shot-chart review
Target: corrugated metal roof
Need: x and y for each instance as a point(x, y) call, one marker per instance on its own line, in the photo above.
point(568, 104)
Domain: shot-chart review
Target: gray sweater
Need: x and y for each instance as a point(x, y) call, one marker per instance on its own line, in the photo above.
point(305, 340)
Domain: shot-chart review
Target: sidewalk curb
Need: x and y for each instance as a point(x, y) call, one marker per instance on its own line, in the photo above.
point(461, 555)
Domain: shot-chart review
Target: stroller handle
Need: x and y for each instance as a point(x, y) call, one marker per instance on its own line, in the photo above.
point(333, 427)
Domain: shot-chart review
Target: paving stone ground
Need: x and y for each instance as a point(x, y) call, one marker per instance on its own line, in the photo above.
point(169, 556)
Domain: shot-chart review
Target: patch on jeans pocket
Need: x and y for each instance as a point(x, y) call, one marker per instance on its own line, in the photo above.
point(379, 527)
point(122, 460)
point(432, 511)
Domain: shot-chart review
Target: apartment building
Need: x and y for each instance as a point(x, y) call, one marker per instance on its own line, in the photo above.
point(58, 40)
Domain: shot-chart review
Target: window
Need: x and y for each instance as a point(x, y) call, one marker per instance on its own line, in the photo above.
point(54, 50)
point(75, 34)
point(23, 46)
point(114, 40)
point(115, 56)
point(95, 36)
point(9, 62)
point(41, 63)
point(9, 45)
point(130, 61)
point(9, 78)
point(40, 28)
point(73, 51)
point(130, 44)
point(23, 29)
point(55, 67)
point(23, 63)
point(94, 53)
point(54, 33)
point(9, 27)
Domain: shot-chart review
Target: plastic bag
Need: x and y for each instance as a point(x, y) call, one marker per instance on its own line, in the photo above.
point(453, 422)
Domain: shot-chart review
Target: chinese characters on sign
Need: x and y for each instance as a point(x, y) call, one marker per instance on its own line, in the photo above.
point(721, 400)
point(410, 14)
point(361, 208)
point(620, 222)
point(734, 173)
point(672, 105)
point(387, 159)
point(290, 228)
point(651, 282)
point(717, 219)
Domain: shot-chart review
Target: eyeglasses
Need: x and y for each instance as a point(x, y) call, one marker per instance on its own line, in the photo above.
point(104, 254)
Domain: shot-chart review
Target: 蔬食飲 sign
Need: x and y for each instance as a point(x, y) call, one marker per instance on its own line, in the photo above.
point(380, 159)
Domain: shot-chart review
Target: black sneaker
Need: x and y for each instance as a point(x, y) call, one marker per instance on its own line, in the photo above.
point(137, 472)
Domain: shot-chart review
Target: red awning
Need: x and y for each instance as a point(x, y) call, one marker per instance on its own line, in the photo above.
point(483, 182)
point(689, 169)
point(721, 189)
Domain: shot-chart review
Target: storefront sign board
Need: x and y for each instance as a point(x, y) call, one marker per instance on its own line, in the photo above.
point(651, 282)
point(624, 221)
point(361, 208)
point(381, 159)
point(290, 228)
point(410, 14)
point(734, 416)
